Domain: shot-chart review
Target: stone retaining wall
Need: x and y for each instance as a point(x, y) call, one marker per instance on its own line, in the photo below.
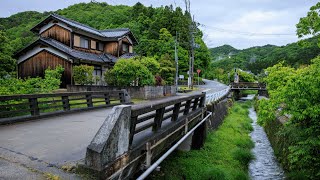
point(145, 92)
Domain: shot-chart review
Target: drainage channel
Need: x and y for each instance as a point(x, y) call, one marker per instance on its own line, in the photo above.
point(265, 165)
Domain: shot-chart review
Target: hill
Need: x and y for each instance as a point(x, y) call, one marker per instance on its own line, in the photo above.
point(255, 59)
point(223, 52)
point(153, 27)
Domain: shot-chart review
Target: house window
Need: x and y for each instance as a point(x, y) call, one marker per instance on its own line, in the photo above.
point(76, 41)
point(97, 74)
point(99, 46)
point(84, 43)
point(125, 48)
point(93, 44)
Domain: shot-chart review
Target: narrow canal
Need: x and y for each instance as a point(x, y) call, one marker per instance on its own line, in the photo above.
point(265, 165)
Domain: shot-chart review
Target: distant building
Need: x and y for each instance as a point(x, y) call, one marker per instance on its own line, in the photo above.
point(66, 42)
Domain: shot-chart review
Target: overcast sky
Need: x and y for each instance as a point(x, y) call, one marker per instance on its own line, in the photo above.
point(240, 23)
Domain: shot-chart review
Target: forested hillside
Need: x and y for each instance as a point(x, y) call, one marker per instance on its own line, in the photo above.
point(154, 28)
point(255, 59)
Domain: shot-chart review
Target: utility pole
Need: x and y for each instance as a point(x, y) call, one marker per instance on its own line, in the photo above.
point(192, 51)
point(176, 60)
point(192, 43)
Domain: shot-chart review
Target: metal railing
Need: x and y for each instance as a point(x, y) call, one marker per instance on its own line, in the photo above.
point(212, 97)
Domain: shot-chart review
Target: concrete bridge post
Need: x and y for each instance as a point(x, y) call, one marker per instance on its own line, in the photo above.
point(112, 139)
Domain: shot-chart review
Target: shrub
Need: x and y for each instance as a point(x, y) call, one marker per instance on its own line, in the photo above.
point(83, 74)
point(10, 85)
point(151, 63)
point(129, 72)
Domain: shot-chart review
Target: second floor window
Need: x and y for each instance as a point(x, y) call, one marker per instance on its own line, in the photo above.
point(125, 48)
point(99, 46)
point(84, 43)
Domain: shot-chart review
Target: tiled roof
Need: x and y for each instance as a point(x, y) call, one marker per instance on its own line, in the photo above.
point(115, 32)
point(101, 58)
point(128, 55)
point(76, 24)
point(108, 33)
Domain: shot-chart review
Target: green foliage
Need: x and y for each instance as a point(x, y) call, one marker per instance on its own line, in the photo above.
point(83, 74)
point(52, 78)
point(7, 64)
point(167, 69)
point(309, 25)
point(256, 59)
point(151, 63)
point(225, 155)
point(11, 85)
point(296, 92)
point(129, 72)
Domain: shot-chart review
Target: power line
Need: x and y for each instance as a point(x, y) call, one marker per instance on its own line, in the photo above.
point(245, 33)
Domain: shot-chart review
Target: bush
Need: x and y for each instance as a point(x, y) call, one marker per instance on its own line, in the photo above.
point(10, 85)
point(150, 63)
point(83, 74)
point(295, 92)
point(129, 72)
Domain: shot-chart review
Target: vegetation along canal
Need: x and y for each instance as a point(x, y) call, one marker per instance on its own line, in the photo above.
point(238, 149)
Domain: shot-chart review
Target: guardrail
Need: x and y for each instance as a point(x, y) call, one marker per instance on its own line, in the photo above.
point(134, 136)
point(17, 108)
point(212, 97)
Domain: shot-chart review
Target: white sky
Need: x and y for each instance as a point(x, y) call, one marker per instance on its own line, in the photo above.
point(240, 23)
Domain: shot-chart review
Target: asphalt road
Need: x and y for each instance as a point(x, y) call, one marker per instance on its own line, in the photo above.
point(211, 86)
point(49, 143)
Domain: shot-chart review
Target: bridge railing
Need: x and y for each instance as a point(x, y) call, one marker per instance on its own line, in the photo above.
point(145, 116)
point(247, 85)
point(133, 136)
point(212, 97)
point(15, 108)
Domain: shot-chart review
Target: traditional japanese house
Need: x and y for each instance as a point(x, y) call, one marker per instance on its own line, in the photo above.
point(68, 43)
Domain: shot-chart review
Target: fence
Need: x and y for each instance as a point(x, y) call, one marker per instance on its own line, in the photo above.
point(212, 97)
point(26, 107)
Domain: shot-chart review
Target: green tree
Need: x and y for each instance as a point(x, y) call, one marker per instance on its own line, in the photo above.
point(309, 25)
point(129, 72)
point(151, 63)
point(83, 74)
point(7, 64)
point(295, 92)
point(167, 69)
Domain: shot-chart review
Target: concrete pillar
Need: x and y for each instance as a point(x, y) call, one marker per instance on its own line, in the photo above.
point(112, 139)
point(186, 145)
point(199, 136)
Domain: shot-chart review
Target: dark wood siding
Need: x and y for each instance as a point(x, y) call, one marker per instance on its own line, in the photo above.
point(112, 48)
point(58, 33)
point(36, 66)
point(87, 50)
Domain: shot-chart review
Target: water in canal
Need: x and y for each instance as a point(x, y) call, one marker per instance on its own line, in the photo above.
point(265, 165)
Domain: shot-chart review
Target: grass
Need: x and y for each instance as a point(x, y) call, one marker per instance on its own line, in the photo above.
point(50, 176)
point(181, 88)
point(225, 155)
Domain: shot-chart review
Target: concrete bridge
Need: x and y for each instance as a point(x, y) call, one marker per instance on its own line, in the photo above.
point(238, 87)
point(129, 140)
